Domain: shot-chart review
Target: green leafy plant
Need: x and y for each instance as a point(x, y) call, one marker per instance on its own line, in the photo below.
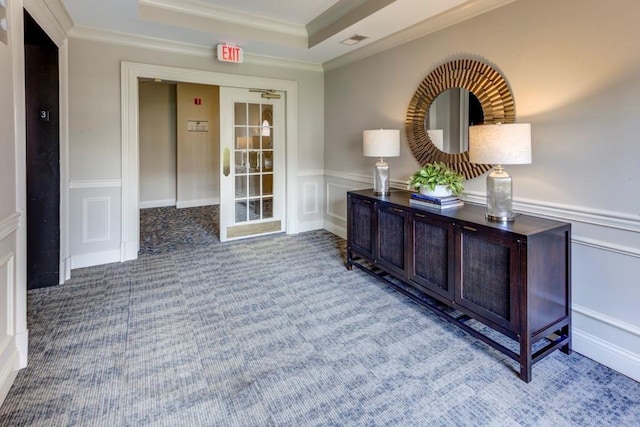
point(433, 174)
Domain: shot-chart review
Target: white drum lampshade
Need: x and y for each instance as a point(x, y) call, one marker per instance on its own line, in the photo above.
point(500, 144)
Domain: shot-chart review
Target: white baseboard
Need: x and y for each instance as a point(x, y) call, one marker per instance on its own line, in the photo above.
point(337, 230)
point(96, 258)
point(310, 226)
point(22, 343)
point(197, 203)
point(608, 354)
point(156, 203)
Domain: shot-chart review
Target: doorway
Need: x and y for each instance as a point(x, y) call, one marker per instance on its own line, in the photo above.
point(131, 72)
point(42, 109)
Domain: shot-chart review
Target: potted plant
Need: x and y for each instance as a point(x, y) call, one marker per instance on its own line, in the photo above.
point(436, 179)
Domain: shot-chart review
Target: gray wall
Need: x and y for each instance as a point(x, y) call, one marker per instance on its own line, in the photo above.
point(574, 69)
point(95, 160)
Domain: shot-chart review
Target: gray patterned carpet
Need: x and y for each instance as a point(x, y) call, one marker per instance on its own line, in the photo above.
point(276, 332)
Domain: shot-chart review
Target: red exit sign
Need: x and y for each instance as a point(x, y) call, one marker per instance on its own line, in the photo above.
point(229, 53)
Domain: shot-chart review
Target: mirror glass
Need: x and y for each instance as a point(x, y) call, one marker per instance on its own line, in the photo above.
point(449, 118)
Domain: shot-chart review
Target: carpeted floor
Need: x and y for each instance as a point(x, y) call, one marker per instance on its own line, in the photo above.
point(168, 229)
point(275, 331)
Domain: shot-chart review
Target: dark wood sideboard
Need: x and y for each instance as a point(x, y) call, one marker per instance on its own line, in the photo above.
point(513, 277)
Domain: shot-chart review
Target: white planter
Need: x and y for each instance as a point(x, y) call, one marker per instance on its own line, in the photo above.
point(439, 191)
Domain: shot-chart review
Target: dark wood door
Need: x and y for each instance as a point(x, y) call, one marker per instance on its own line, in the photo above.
point(43, 158)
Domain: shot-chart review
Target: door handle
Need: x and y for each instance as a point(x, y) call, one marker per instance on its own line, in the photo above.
point(226, 162)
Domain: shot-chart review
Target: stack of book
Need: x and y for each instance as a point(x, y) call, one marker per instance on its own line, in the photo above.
point(437, 203)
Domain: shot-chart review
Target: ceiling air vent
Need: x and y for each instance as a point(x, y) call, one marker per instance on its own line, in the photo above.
point(353, 40)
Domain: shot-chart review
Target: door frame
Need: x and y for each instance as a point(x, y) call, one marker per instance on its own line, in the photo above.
point(130, 72)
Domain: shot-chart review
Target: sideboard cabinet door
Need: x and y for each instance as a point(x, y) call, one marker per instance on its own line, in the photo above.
point(432, 262)
point(360, 231)
point(392, 240)
point(488, 272)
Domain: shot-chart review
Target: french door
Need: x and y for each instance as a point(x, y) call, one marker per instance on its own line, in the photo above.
point(252, 145)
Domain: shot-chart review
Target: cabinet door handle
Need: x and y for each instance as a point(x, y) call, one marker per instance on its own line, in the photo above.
point(397, 210)
point(466, 227)
point(420, 215)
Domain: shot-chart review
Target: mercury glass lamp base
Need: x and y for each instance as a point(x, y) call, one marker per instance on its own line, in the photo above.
point(499, 196)
point(381, 178)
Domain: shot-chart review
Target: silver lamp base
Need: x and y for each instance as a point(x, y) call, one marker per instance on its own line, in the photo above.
point(499, 196)
point(381, 178)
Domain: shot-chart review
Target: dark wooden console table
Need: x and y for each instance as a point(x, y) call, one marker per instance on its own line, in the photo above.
point(513, 277)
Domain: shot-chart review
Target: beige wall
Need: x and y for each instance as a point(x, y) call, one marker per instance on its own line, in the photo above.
point(198, 152)
point(574, 69)
point(157, 130)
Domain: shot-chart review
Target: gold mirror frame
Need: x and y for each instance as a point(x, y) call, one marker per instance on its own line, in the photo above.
point(484, 82)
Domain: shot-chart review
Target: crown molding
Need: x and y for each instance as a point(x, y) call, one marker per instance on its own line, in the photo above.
point(153, 43)
point(217, 13)
point(52, 16)
point(446, 19)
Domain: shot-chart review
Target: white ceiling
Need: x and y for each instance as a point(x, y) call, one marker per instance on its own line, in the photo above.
point(276, 28)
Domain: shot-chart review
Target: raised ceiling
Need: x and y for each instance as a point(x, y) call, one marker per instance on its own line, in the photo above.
point(300, 30)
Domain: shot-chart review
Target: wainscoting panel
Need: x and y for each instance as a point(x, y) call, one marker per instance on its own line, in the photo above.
point(94, 222)
point(10, 308)
point(310, 197)
point(96, 225)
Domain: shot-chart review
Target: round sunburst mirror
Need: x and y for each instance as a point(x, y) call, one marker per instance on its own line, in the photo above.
point(462, 84)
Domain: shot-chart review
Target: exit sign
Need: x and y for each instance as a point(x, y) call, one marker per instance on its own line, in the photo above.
point(229, 53)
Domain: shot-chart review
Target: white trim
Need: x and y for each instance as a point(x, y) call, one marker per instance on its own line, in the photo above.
point(94, 258)
point(22, 344)
point(16, 38)
point(335, 229)
point(229, 16)
point(311, 226)
point(65, 247)
point(95, 183)
point(9, 225)
point(52, 17)
point(608, 354)
point(603, 318)
point(605, 246)
point(130, 72)
point(157, 203)
point(163, 45)
point(197, 203)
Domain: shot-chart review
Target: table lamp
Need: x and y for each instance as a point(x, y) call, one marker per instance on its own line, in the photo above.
point(500, 144)
point(381, 143)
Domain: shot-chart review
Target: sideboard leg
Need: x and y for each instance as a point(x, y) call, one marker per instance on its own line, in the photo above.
point(525, 358)
point(566, 349)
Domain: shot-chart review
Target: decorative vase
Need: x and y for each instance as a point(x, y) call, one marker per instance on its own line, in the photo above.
point(438, 191)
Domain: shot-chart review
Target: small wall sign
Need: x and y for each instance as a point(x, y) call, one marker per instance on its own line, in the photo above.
point(230, 53)
point(197, 126)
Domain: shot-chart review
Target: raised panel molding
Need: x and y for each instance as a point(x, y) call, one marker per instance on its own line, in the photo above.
point(96, 226)
point(337, 200)
point(310, 198)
